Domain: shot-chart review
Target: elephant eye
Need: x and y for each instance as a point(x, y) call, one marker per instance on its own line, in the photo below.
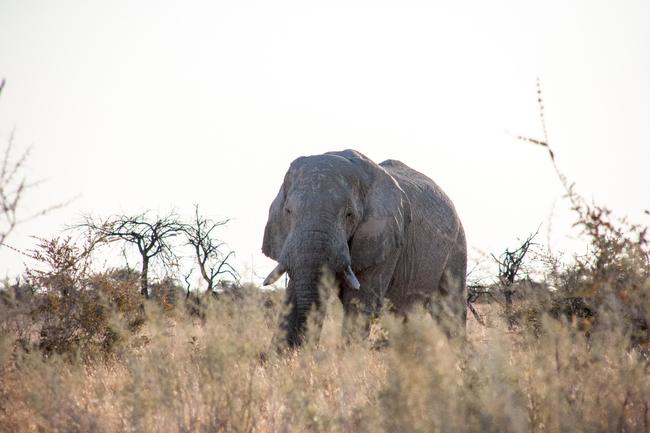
point(349, 215)
point(287, 211)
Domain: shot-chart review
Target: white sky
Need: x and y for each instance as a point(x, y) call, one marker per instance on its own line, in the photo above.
point(160, 105)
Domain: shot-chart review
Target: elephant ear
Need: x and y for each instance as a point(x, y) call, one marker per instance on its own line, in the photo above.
point(276, 230)
point(277, 226)
point(386, 215)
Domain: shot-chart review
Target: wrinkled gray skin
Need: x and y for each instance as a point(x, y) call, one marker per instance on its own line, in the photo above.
point(394, 227)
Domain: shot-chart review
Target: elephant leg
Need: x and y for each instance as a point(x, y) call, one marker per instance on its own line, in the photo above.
point(448, 307)
point(361, 306)
point(358, 312)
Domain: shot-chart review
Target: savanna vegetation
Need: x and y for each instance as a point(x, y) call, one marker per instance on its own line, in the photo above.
point(553, 344)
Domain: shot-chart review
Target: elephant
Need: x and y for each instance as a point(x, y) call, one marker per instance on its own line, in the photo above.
point(383, 231)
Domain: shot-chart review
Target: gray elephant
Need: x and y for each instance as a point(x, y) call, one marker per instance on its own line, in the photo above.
point(384, 231)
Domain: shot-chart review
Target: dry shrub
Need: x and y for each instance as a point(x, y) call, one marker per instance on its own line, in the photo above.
point(611, 284)
point(606, 288)
point(74, 311)
point(609, 287)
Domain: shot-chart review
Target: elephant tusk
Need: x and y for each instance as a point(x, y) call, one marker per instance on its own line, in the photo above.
point(275, 274)
point(351, 279)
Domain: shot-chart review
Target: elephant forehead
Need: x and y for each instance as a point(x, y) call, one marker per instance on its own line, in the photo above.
point(324, 180)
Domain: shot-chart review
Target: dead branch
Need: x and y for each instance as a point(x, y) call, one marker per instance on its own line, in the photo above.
point(188, 285)
point(207, 249)
point(151, 235)
point(11, 190)
point(510, 264)
point(13, 186)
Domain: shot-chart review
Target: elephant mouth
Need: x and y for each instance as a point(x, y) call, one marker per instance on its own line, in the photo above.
point(348, 276)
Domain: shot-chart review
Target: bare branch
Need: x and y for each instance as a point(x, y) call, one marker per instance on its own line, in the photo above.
point(207, 249)
point(13, 186)
point(186, 277)
point(151, 235)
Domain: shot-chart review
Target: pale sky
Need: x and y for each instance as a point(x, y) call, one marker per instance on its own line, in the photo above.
point(135, 105)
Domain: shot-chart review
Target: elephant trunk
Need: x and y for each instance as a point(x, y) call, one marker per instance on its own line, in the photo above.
point(315, 253)
point(302, 298)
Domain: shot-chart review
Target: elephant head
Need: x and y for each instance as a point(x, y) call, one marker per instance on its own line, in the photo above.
point(338, 211)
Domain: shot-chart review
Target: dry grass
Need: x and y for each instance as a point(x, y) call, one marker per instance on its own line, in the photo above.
point(183, 374)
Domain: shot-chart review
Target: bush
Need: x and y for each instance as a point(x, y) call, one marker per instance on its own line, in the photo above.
point(74, 311)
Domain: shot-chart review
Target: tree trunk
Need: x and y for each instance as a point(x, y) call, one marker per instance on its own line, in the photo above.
point(507, 293)
point(144, 278)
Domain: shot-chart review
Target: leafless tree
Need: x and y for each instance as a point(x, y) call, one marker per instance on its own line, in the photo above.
point(151, 235)
point(11, 191)
point(510, 265)
point(212, 262)
point(13, 186)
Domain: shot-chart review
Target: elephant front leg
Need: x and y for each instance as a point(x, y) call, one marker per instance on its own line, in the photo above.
point(361, 306)
point(358, 312)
